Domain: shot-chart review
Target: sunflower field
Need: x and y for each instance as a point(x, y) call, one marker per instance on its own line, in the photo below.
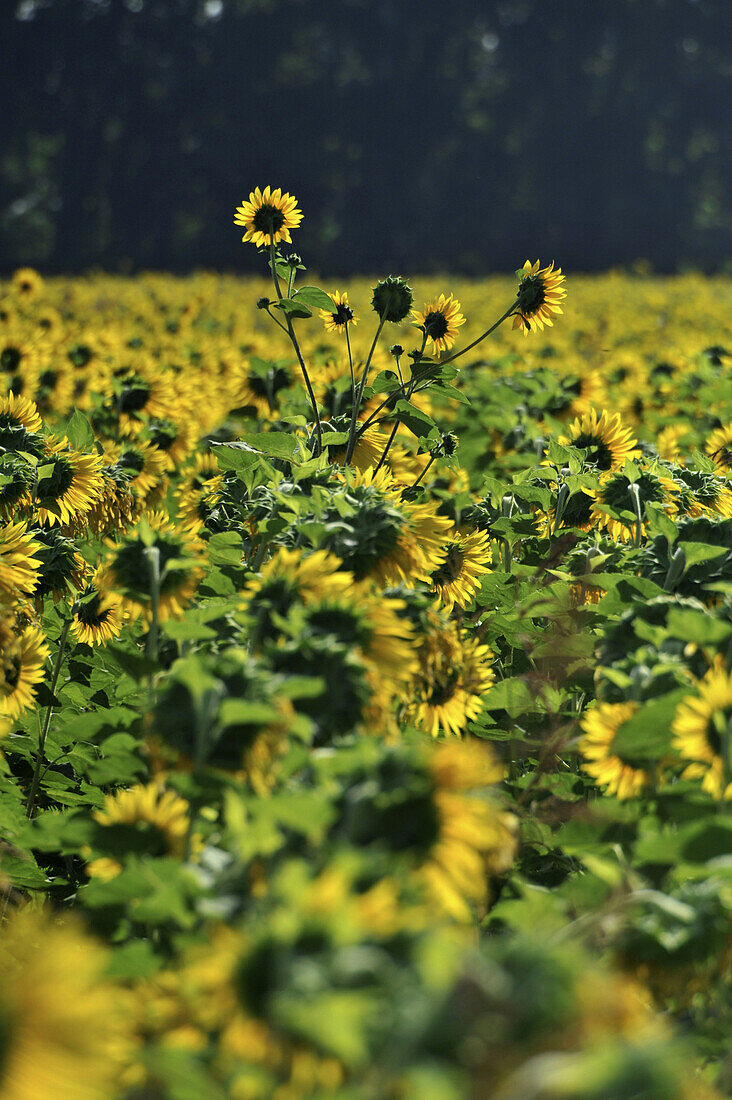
point(365, 684)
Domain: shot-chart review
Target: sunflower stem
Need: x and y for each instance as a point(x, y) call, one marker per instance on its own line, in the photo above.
point(416, 482)
point(408, 394)
point(152, 553)
point(31, 801)
point(295, 344)
point(361, 387)
point(350, 366)
point(488, 331)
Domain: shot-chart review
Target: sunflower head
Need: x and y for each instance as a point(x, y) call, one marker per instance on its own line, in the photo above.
point(268, 216)
point(392, 298)
point(155, 547)
point(440, 321)
point(343, 316)
point(62, 568)
point(538, 296)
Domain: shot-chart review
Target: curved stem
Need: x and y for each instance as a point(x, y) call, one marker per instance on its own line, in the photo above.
point(488, 331)
point(31, 800)
point(361, 387)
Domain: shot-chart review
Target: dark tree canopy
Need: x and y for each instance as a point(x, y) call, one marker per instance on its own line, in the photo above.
point(418, 136)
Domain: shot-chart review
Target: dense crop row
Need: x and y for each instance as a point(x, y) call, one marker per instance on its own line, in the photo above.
point(375, 753)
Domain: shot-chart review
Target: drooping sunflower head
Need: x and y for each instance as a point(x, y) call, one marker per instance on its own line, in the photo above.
point(392, 298)
point(607, 443)
point(343, 316)
point(268, 216)
point(702, 732)
point(62, 568)
point(538, 296)
point(702, 493)
point(155, 548)
point(614, 492)
point(440, 321)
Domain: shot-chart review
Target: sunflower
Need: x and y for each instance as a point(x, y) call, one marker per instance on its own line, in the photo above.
point(454, 674)
point(27, 283)
point(97, 615)
point(18, 565)
point(379, 535)
point(703, 494)
point(143, 465)
point(68, 483)
point(719, 447)
point(268, 217)
point(367, 451)
point(61, 568)
point(129, 567)
point(440, 321)
point(22, 656)
point(622, 776)
point(607, 443)
point(116, 507)
point(174, 439)
point(198, 491)
point(149, 804)
point(343, 316)
point(538, 296)
point(64, 1027)
point(19, 362)
point(55, 388)
point(458, 578)
point(18, 413)
point(257, 390)
point(614, 491)
point(701, 732)
point(475, 837)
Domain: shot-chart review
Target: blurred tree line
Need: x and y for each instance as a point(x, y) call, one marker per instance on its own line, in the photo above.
point(416, 135)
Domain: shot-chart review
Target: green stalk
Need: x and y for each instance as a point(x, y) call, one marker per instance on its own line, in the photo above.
point(30, 803)
point(152, 553)
point(361, 387)
point(488, 331)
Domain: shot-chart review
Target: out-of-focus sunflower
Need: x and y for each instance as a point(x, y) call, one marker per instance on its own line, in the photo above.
point(459, 577)
point(254, 390)
point(27, 284)
point(97, 615)
point(614, 491)
point(198, 490)
point(144, 466)
point(151, 805)
point(19, 363)
point(475, 836)
point(62, 567)
point(703, 494)
point(66, 1032)
point(607, 442)
point(367, 451)
point(701, 732)
point(68, 483)
point(343, 316)
point(22, 657)
point(539, 293)
point(719, 447)
point(174, 439)
point(19, 417)
point(440, 320)
point(268, 216)
point(454, 674)
point(18, 564)
point(620, 774)
point(129, 568)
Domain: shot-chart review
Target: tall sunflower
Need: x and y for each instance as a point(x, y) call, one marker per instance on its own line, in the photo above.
point(268, 217)
point(440, 320)
point(538, 296)
point(607, 443)
point(701, 733)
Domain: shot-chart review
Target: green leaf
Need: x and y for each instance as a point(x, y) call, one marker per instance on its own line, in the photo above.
point(699, 552)
point(647, 735)
point(512, 695)
point(79, 431)
point(314, 298)
point(277, 444)
point(293, 308)
point(697, 626)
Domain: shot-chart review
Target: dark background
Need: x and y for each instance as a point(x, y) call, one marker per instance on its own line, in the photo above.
point(416, 136)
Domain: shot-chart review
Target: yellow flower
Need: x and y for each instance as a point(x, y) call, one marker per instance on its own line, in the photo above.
point(18, 412)
point(22, 657)
point(454, 673)
point(719, 447)
point(27, 283)
point(18, 565)
point(460, 575)
point(622, 776)
point(150, 805)
point(343, 316)
point(539, 294)
point(68, 483)
point(605, 439)
point(64, 1030)
point(97, 615)
point(440, 321)
point(701, 732)
point(268, 217)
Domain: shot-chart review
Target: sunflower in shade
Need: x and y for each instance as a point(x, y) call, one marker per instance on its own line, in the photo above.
point(20, 423)
point(440, 321)
point(68, 483)
point(719, 447)
point(268, 216)
point(701, 733)
point(454, 673)
point(149, 805)
point(607, 443)
point(620, 773)
point(130, 567)
point(538, 297)
point(702, 494)
point(343, 315)
point(198, 491)
point(23, 653)
point(61, 568)
point(143, 466)
point(614, 492)
point(97, 615)
point(467, 560)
